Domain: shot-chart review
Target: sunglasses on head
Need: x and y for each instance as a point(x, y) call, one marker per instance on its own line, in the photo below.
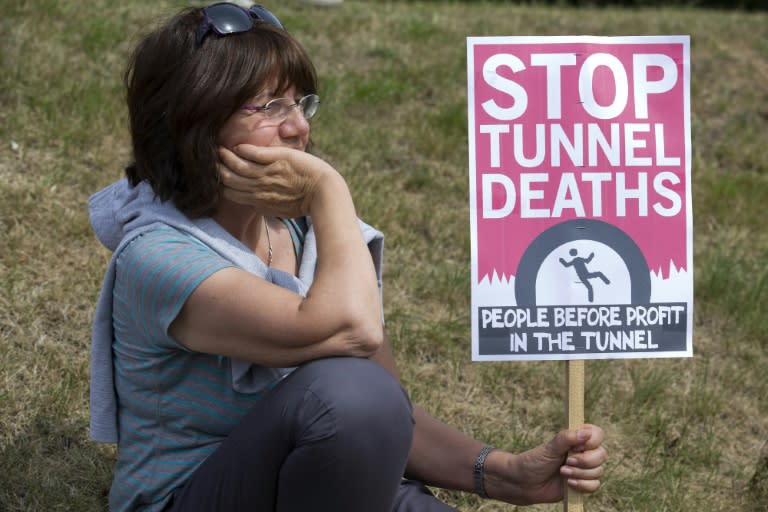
point(225, 18)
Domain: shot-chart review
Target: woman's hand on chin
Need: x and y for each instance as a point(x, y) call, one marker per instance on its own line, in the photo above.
point(276, 181)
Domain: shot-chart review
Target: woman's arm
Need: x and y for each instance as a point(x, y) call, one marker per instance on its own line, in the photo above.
point(236, 314)
point(444, 457)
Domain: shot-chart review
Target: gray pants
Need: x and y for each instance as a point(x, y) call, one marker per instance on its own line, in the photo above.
point(333, 436)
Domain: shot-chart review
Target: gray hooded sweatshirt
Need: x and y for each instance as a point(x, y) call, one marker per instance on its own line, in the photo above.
point(119, 213)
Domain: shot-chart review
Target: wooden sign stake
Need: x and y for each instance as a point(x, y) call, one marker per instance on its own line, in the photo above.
point(574, 411)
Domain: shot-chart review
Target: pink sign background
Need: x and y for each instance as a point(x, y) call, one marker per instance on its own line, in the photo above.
point(502, 241)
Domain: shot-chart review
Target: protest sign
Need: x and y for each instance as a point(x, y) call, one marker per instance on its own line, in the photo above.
point(580, 197)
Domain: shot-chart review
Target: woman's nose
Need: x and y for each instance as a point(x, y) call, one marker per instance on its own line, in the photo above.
point(294, 123)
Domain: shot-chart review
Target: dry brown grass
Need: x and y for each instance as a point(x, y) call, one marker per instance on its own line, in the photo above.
point(684, 435)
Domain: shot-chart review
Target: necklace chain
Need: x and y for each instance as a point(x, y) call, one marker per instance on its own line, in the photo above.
point(269, 243)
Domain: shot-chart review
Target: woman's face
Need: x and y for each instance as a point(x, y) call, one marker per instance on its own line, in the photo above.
point(253, 127)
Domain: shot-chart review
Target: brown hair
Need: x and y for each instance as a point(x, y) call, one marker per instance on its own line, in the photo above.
point(180, 94)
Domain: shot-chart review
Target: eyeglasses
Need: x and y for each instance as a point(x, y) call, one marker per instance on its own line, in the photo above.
point(279, 108)
point(225, 18)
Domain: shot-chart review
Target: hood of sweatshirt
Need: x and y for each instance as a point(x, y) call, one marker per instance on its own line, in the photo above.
point(119, 212)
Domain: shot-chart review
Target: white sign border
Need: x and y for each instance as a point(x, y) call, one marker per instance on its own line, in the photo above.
point(683, 40)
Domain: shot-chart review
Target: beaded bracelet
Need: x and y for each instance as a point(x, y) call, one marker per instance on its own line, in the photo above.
point(479, 470)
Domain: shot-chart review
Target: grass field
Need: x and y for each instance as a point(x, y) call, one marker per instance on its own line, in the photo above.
point(684, 434)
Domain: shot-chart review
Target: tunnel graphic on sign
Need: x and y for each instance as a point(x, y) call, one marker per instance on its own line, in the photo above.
point(542, 268)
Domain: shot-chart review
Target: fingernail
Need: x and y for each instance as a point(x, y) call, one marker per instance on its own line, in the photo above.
point(571, 461)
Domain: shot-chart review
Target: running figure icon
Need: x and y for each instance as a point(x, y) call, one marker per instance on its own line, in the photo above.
point(579, 264)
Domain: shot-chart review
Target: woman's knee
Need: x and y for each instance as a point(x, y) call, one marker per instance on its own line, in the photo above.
point(362, 397)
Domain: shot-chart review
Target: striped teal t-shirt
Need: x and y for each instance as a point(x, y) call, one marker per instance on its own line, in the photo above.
point(174, 406)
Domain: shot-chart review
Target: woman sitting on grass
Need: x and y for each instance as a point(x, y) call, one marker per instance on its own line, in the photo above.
point(239, 359)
